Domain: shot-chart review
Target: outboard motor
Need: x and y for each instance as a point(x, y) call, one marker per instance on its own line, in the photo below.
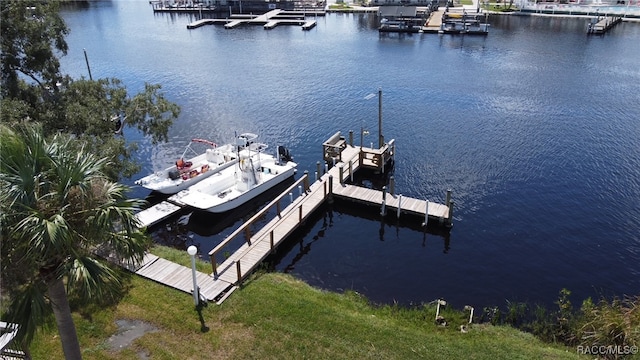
point(284, 154)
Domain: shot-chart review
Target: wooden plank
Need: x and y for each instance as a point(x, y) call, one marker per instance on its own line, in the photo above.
point(156, 213)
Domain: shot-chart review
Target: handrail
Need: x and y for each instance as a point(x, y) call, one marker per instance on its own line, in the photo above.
point(224, 243)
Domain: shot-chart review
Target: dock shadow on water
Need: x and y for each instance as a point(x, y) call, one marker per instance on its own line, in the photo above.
point(322, 254)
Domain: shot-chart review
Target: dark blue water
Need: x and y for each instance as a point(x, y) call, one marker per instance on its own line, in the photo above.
point(535, 128)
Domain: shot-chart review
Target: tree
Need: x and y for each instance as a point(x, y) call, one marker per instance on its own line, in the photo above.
point(34, 90)
point(56, 208)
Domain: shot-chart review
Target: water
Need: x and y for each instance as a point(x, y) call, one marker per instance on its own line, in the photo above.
point(534, 127)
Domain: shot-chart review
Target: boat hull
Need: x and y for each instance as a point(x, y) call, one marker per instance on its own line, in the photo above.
point(254, 192)
point(234, 187)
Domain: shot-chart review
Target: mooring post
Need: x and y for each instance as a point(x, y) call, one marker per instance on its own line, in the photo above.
point(392, 185)
point(330, 189)
point(426, 213)
point(247, 234)
point(448, 197)
point(299, 190)
point(326, 168)
point(380, 136)
point(450, 216)
point(393, 151)
point(271, 239)
point(306, 181)
point(318, 170)
point(351, 170)
point(383, 211)
point(341, 175)
point(238, 272)
point(214, 265)
point(278, 210)
point(399, 205)
point(300, 213)
point(291, 197)
point(351, 137)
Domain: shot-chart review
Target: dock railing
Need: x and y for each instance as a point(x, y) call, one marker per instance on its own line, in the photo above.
point(246, 226)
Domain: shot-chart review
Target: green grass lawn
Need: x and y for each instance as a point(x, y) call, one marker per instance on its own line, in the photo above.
point(275, 316)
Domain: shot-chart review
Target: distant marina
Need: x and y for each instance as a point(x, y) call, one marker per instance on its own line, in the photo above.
point(415, 16)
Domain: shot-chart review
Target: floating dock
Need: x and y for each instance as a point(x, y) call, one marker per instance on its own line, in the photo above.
point(602, 24)
point(268, 20)
point(157, 213)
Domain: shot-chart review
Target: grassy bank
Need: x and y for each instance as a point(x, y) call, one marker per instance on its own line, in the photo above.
point(276, 316)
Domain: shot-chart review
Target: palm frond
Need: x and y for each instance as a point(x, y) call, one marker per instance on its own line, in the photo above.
point(29, 309)
point(90, 278)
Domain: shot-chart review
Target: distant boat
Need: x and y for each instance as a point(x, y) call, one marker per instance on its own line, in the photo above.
point(254, 173)
point(186, 172)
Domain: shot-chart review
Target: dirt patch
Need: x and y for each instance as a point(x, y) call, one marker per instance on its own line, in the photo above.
point(128, 331)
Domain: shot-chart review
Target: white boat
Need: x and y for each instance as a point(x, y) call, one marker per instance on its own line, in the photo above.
point(254, 173)
point(186, 172)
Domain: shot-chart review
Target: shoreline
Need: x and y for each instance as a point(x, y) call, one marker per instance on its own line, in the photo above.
point(532, 12)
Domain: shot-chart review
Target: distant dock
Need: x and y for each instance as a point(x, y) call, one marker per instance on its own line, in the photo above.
point(268, 20)
point(601, 25)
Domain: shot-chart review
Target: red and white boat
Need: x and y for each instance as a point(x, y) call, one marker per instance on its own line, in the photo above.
point(186, 172)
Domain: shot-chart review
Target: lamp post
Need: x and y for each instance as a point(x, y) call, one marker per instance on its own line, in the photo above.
point(192, 250)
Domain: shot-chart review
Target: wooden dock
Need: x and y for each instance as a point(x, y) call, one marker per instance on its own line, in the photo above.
point(157, 213)
point(603, 24)
point(268, 20)
point(230, 273)
point(257, 246)
point(434, 22)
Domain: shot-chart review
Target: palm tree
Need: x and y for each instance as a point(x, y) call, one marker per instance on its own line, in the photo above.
point(56, 208)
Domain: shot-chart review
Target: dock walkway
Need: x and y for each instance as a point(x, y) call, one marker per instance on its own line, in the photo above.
point(602, 25)
point(235, 268)
point(268, 20)
point(231, 272)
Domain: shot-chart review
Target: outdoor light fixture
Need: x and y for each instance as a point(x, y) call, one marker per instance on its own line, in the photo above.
point(192, 251)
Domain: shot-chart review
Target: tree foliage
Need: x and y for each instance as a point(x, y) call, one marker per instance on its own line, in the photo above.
point(57, 208)
point(35, 91)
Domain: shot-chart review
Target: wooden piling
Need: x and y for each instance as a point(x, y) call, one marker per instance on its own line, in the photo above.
point(330, 193)
point(306, 181)
point(351, 170)
point(426, 214)
point(351, 137)
point(383, 210)
point(239, 272)
point(392, 185)
point(214, 265)
point(247, 235)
